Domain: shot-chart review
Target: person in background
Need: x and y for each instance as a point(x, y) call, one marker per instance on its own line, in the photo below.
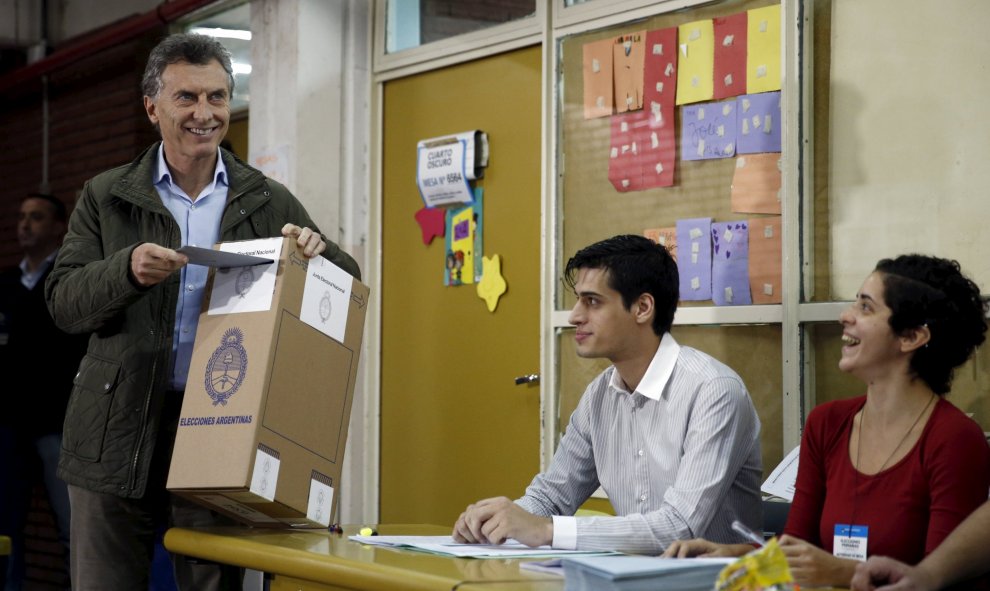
point(667, 431)
point(965, 554)
point(37, 362)
point(895, 471)
point(119, 276)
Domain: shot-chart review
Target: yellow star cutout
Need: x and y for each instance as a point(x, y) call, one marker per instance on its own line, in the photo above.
point(492, 284)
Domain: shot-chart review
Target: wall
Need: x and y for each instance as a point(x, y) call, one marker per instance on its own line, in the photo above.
point(909, 135)
point(96, 121)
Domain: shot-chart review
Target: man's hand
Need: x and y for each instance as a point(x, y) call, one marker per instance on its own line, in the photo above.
point(703, 548)
point(152, 263)
point(892, 574)
point(813, 567)
point(493, 521)
point(308, 240)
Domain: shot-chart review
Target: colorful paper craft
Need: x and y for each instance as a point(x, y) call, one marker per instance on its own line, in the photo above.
point(730, 263)
point(708, 130)
point(696, 55)
point(627, 71)
point(730, 55)
point(759, 123)
point(756, 184)
point(694, 260)
point(492, 285)
point(763, 49)
point(597, 70)
point(659, 94)
point(462, 263)
point(765, 260)
point(431, 222)
point(666, 237)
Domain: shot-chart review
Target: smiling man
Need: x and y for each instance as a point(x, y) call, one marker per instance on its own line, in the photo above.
point(668, 432)
point(119, 276)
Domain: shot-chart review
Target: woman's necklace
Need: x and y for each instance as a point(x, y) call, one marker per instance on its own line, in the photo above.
point(859, 448)
point(859, 436)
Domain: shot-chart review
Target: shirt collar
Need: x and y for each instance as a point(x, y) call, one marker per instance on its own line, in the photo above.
point(29, 279)
point(162, 174)
point(657, 374)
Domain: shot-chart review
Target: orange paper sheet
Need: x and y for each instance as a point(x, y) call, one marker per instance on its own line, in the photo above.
point(627, 71)
point(765, 260)
point(666, 237)
point(756, 184)
point(598, 79)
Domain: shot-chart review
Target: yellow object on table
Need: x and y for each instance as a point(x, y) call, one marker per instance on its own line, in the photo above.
point(4, 545)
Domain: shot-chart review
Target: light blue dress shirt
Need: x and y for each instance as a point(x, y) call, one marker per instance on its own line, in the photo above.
point(199, 222)
point(30, 279)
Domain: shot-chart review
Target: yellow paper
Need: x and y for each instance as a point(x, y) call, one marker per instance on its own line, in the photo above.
point(464, 246)
point(756, 570)
point(695, 62)
point(763, 49)
point(492, 284)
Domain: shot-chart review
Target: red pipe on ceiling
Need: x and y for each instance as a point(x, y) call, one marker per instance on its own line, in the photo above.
point(88, 44)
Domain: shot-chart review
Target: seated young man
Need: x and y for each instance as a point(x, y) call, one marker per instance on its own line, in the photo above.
point(667, 431)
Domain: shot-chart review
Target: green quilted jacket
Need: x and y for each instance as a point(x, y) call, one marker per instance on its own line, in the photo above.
point(112, 419)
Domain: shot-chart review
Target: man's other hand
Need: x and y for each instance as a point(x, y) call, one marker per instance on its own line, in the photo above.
point(493, 521)
point(152, 263)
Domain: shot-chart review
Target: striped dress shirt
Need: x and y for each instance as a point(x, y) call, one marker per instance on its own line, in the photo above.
point(679, 458)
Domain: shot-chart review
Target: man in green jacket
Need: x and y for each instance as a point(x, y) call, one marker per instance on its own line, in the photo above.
point(118, 275)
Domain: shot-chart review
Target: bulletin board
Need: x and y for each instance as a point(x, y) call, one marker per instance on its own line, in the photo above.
point(592, 208)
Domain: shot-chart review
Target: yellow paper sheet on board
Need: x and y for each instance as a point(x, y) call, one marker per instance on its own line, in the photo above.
point(763, 50)
point(695, 62)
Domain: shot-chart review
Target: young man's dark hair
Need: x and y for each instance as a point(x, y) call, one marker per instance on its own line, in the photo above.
point(635, 265)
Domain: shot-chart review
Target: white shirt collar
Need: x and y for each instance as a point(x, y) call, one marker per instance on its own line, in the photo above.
point(657, 374)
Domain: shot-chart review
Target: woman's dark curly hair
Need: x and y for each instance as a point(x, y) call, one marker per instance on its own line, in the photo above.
point(923, 290)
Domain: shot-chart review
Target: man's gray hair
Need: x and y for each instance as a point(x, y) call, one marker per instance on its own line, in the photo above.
point(195, 49)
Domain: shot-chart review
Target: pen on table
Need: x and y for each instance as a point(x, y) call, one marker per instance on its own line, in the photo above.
point(750, 534)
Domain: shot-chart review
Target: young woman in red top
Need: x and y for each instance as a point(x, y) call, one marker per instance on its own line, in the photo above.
point(895, 471)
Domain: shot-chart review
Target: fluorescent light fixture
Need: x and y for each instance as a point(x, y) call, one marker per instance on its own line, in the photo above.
point(240, 68)
point(224, 33)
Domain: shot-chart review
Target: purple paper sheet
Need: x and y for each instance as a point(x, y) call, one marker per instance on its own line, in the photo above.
point(694, 258)
point(758, 123)
point(730, 263)
point(708, 130)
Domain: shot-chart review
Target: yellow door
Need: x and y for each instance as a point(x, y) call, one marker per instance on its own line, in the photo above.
point(454, 426)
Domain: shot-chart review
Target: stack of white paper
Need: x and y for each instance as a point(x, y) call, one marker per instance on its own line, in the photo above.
point(641, 573)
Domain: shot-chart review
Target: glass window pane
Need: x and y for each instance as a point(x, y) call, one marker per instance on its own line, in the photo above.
point(411, 23)
point(232, 28)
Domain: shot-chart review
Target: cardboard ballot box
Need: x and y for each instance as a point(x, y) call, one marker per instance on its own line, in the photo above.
point(264, 418)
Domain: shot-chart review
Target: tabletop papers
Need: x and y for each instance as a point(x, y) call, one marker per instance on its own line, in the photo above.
point(446, 546)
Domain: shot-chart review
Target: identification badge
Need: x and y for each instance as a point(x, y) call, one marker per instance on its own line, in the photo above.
point(850, 541)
